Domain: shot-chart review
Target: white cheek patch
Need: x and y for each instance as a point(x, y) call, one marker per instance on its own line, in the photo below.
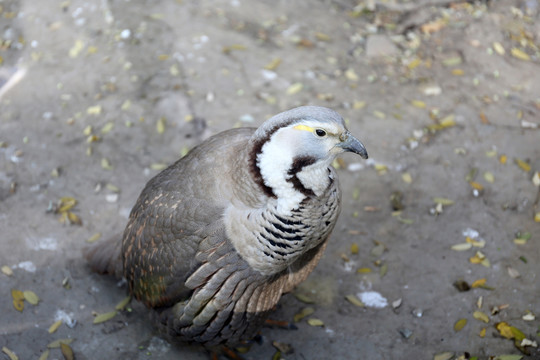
point(274, 161)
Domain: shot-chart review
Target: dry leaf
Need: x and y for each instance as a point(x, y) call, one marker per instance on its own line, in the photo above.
point(354, 300)
point(67, 351)
point(31, 297)
point(272, 65)
point(461, 247)
point(482, 332)
point(44, 355)
point(489, 177)
point(56, 344)
point(104, 317)
point(160, 125)
point(9, 353)
point(520, 54)
point(444, 356)
point(407, 178)
point(122, 304)
point(294, 88)
point(460, 324)
point(419, 104)
point(478, 283)
point(55, 326)
point(6, 270)
point(478, 315)
point(315, 322)
point(303, 313)
point(499, 49)
point(523, 165)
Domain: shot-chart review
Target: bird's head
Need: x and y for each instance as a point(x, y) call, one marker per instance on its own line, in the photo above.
point(308, 137)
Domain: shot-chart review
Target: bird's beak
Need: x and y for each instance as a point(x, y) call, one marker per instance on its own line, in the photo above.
point(352, 144)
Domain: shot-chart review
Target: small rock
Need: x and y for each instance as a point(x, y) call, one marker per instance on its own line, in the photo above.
point(380, 45)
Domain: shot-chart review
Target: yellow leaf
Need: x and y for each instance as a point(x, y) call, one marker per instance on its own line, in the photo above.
point(106, 164)
point(460, 324)
point(160, 125)
point(66, 203)
point(303, 313)
point(505, 330)
point(9, 353)
point(7, 270)
point(503, 159)
point(443, 201)
point(406, 177)
point(44, 355)
point(350, 74)
point(476, 185)
point(67, 351)
point(447, 121)
point(458, 72)
point(476, 243)
point(94, 237)
point(354, 300)
point(482, 333)
point(55, 326)
point(56, 344)
point(364, 270)
point(419, 104)
point(489, 177)
point(499, 49)
point(94, 110)
point(537, 217)
point(523, 165)
point(163, 57)
point(520, 54)
point(357, 105)
point(478, 315)
point(104, 317)
point(122, 304)
point(315, 322)
point(354, 248)
point(461, 247)
point(478, 283)
point(272, 65)
point(414, 63)
point(379, 114)
point(31, 297)
point(107, 127)
point(294, 88)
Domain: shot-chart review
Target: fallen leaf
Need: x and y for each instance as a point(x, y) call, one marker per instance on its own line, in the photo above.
point(294, 88)
point(272, 65)
point(104, 317)
point(315, 322)
point(122, 304)
point(489, 177)
point(9, 353)
point(354, 300)
point(520, 54)
point(460, 324)
point(444, 356)
point(479, 315)
point(478, 283)
point(303, 313)
point(31, 297)
point(419, 104)
point(44, 355)
point(407, 178)
point(499, 49)
point(523, 165)
point(6, 270)
point(55, 326)
point(482, 333)
point(67, 351)
point(160, 125)
point(354, 248)
point(443, 201)
point(461, 247)
point(56, 344)
point(351, 75)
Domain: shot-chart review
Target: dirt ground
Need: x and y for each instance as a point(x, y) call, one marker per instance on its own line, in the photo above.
point(98, 96)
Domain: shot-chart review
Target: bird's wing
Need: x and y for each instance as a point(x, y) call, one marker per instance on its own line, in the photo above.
point(176, 210)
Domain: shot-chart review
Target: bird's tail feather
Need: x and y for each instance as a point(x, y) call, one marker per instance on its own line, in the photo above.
point(105, 257)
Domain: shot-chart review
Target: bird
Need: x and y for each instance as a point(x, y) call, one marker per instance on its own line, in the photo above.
point(215, 239)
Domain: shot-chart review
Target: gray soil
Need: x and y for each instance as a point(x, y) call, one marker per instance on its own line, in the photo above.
point(154, 78)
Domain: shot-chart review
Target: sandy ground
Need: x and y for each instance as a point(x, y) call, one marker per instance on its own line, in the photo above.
point(97, 96)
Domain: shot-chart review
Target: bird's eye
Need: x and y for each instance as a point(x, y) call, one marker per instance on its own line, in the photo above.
point(320, 132)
